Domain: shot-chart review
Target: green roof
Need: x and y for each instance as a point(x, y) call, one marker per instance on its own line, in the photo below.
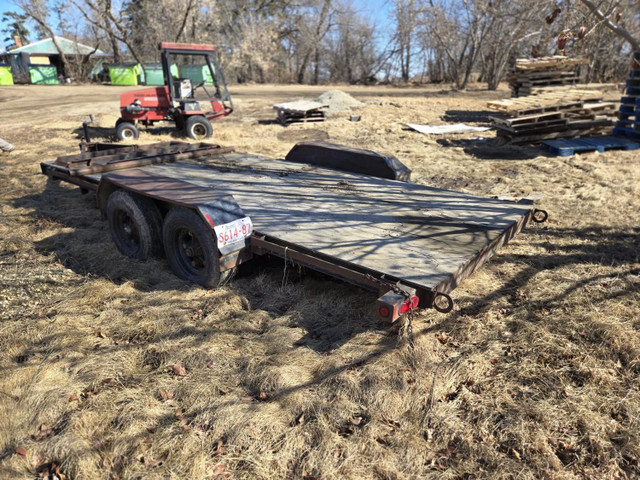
point(68, 47)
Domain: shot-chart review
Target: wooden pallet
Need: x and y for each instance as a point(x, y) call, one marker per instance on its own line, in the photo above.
point(542, 63)
point(530, 75)
point(300, 111)
point(566, 148)
point(531, 104)
point(291, 118)
point(537, 137)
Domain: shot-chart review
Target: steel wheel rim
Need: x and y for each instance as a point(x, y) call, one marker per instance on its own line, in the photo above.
point(190, 252)
point(127, 133)
point(199, 130)
point(128, 232)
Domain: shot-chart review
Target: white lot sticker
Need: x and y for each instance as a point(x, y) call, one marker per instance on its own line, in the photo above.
point(231, 235)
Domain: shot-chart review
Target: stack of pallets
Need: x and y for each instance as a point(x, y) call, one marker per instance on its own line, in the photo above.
point(628, 124)
point(566, 114)
point(532, 76)
point(300, 111)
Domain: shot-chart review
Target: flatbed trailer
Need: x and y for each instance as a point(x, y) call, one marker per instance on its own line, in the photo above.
point(212, 209)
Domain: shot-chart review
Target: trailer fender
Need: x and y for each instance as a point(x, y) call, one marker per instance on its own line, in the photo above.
point(219, 211)
point(347, 159)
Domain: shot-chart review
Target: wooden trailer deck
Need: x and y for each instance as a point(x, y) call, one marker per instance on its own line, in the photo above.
point(426, 238)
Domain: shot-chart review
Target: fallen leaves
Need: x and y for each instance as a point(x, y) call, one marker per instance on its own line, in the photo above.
point(43, 432)
point(352, 424)
point(219, 470)
point(220, 449)
point(50, 471)
point(178, 369)
point(166, 395)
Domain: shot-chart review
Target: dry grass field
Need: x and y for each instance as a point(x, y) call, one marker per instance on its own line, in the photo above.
point(115, 369)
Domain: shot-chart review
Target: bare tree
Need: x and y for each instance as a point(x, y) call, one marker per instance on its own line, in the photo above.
point(405, 12)
point(38, 11)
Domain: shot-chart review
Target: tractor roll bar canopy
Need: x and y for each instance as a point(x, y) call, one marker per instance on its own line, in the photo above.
point(207, 51)
point(187, 47)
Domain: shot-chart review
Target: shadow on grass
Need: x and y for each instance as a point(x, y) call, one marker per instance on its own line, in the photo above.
point(468, 116)
point(82, 251)
point(492, 149)
point(298, 296)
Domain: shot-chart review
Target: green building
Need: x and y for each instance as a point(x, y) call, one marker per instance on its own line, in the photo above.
point(40, 62)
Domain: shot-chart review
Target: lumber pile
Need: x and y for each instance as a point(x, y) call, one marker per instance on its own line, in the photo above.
point(300, 111)
point(532, 76)
point(565, 114)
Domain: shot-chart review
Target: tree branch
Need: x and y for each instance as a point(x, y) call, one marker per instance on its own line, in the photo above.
point(620, 31)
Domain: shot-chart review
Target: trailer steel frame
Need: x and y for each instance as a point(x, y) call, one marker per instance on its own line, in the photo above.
point(159, 172)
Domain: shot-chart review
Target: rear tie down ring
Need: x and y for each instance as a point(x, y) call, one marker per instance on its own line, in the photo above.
point(539, 215)
point(442, 309)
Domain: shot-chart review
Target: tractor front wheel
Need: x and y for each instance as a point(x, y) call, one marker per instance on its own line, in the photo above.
point(198, 127)
point(126, 131)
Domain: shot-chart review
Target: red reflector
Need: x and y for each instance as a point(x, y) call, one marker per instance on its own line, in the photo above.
point(411, 303)
point(384, 312)
point(209, 219)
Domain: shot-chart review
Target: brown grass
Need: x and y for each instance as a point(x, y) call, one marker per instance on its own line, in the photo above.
point(533, 375)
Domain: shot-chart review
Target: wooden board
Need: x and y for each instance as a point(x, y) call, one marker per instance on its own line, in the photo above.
point(299, 106)
point(419, 234)
point(554, 62)
point(547, 100)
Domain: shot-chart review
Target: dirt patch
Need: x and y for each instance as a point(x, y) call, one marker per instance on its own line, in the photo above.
point(302, 135)
point(113, 368)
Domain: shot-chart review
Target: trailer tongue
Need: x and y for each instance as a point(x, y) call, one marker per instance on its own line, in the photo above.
point(213, 209)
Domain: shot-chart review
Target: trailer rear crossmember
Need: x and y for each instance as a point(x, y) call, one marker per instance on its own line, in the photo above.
point(210, 210)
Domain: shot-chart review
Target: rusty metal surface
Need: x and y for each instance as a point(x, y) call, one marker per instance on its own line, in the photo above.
point(260, 246)
point(161, 187)
point(108, 160)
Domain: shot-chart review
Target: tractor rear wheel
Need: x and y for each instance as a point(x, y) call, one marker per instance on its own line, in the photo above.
point(198, 127)
point(126, 131)
point(191, 249)
point(135, 224)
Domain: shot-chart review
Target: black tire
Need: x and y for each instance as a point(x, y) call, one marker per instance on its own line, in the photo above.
point(191, 249)
point(179, 120)
point(126, 131)
point(198, 127)
point(135, 224)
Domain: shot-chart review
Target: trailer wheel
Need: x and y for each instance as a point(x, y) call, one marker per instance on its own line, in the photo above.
point(198, 127)
point(191, 249)
point(126, 131)
point(135, 224)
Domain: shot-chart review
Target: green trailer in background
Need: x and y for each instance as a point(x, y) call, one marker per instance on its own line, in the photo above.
point(153, 73)
point(6, 78)
point(124, 73)
point(197, 73)
point(43, 75)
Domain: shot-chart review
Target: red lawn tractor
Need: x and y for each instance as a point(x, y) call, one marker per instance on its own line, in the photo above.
point(176, 101)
